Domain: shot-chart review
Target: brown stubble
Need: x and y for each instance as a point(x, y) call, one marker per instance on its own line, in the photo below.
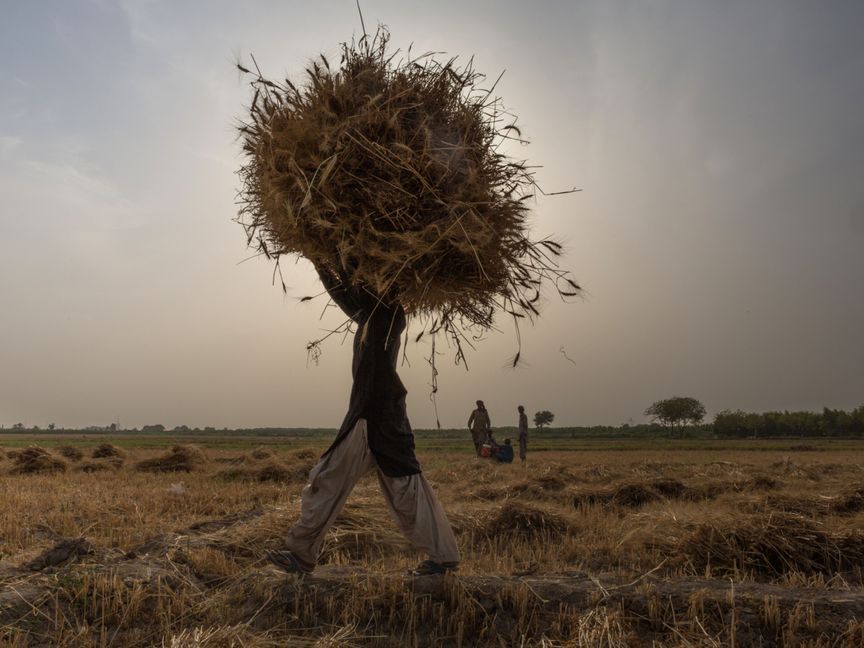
point(681, 548)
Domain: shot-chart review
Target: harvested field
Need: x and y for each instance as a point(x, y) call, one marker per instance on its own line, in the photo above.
point(576, 549)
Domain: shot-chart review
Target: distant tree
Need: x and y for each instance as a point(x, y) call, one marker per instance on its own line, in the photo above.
point(18, 426)
point(51, 426)
point(543, 418)
point(153, 428)
point(676, 411)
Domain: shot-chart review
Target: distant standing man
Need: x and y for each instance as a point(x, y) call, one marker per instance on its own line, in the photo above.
point(479, 425)
point(523, 433)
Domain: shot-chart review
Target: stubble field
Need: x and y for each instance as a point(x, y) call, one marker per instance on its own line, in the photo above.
point(590, 548)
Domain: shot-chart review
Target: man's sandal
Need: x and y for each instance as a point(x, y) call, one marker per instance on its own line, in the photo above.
point(430, 568)
point(288, 562)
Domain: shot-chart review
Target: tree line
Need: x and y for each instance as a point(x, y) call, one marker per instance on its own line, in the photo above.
point(678, 416)
point(678, 413)
point(827, 423)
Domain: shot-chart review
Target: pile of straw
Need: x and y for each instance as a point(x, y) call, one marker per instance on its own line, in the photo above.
point(71, 452)
point(308, 455)
point(624, 495)
point(362, 532)
point(389, 175)
point(761, 483)
point(770, 545)
point(106, 450)
point(260, 454)
point(850, 502)
point(543, 487)
point(34, 459)
point(269, 470)
point(669, 488)
point(514, 520)
point(182, 458)
point(261, 465)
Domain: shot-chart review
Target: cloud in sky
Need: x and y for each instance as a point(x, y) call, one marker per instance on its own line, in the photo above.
point(719, 233)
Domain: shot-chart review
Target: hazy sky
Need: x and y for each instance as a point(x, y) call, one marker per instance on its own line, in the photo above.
point(719, 236)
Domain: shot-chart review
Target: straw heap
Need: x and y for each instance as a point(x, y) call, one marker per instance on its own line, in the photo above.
point(387, 174)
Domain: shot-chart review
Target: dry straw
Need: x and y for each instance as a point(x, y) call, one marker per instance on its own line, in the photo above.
point(389, 174)
point(34, 459)
point(71, 452)
point(181, 458)
point(106, 450)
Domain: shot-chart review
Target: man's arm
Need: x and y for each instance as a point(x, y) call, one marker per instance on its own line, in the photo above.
point(471, 419)
point(353, 301)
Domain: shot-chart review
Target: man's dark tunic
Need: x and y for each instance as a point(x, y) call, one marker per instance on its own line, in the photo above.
point(377, 394)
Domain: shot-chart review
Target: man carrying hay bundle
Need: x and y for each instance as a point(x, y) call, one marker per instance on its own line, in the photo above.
point(387, 176)
point(375, 435)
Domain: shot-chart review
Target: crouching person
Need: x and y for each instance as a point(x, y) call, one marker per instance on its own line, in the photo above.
point(504, 453)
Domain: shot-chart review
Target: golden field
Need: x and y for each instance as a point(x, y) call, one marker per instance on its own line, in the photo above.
point(592, 548)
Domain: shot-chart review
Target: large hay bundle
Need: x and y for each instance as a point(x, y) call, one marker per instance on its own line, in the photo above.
point(389, 175)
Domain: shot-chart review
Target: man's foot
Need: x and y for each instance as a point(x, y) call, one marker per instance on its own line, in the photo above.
point(430, 567)
point(288, 562)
